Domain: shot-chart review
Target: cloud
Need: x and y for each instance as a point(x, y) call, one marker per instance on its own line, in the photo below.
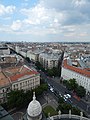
point(73, 10)
point(16, 25)
point(50, 18)
point(54, 14)
point(35, 15)
point(39, 15)
point(6, 10)
point(79, 3)
point(58, 5)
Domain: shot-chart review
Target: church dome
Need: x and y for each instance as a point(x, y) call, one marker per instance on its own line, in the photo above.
point(34, 108)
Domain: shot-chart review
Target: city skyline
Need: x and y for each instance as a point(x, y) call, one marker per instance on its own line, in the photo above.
point(45, 20)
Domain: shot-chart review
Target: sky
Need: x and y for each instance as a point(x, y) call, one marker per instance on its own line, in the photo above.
point(45, 20)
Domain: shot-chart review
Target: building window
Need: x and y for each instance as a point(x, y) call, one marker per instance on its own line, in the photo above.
point(3, 91)
point(20, 84)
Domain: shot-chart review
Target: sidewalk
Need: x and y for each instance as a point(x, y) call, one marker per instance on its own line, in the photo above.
point(50, 101)
point(87, 101)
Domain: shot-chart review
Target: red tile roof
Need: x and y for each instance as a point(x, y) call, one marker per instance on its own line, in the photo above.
point(17, 76)
point(3, 80)
point(84, 72)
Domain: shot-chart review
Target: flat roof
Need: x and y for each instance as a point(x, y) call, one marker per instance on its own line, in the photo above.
point(4, 115)
point(50, 56)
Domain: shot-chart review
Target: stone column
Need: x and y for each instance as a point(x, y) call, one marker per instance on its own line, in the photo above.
point(69, 113)
point(81, 115)
point(59, 114)
point(52, 118)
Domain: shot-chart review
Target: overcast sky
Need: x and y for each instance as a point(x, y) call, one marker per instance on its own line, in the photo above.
point(45, 20)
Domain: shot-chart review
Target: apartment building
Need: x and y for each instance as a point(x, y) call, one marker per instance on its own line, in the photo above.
point(73, 69)
point(34, 55)
point(5, 86)
point(4, 51)
point(17, 78)
point(49, 60)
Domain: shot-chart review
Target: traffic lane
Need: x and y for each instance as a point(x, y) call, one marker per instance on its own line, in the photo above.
point(62, 90)
point(53, 83)
point(74, 103)
point(81, 104)
point(56, 86)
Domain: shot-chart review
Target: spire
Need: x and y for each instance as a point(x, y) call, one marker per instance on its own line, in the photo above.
point(34, 98)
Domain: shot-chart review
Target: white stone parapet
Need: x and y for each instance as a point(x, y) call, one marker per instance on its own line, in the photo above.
point(67, 116)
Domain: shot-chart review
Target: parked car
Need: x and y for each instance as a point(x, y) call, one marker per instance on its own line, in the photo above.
point(65, 99)
point(69, 96)
point(65, 96)
point(51, 89)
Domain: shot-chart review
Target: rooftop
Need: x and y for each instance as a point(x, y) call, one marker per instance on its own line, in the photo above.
point(4, 115)
point(3, 80)
point(50, 56)
point(15, 73)
point(82, 71)
point(18, 72)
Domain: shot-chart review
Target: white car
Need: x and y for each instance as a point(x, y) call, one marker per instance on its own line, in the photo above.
point(65, 99)
point(51, 89)
point(65, 96)
point(69, 96)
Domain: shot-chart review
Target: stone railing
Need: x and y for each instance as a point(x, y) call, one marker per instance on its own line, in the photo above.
point(76, 117)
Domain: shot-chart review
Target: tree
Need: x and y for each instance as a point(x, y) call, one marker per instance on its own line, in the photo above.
point(75, 111)
point(41, 89)
point(72, 84)
point(50, 72)
point(20, 98)
point(61, 100)
point(80, 91)
point(16, 98)
point(53, 72)
point(42, 80)
point(64, 107)
point(65, 82)
point(39, 66)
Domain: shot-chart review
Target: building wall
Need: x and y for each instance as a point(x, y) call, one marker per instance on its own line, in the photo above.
point(32, 56)
point(81, 80)
point(5, 51)
point(3, 93)
point(17, 49)
point(48, 63)
point(27, 83)
point(22, 53)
